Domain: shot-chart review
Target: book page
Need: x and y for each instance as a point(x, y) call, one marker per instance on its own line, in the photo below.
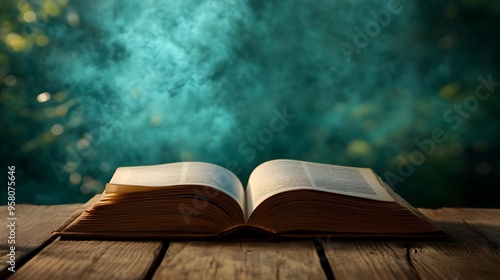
point(277, 176)
point(140, 178)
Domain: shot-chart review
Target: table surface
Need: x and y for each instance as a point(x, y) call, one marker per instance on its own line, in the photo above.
point(472, 252)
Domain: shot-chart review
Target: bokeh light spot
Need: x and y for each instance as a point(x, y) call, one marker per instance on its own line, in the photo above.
point(16, 42)
point(10, 80)
point(60, 96)
point(43, 97)
point(75, 178)
point(358, 147)
point(29, 16)
point(51, 8)
point(42, 40)
point(23, 6)
point(82, 143)
point(105, 167)
point(57, 129)
point(61, 111)
point(73, 18)
point(155, 121)
point(450, 90)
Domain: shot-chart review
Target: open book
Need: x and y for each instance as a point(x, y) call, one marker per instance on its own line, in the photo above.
point(283, 199)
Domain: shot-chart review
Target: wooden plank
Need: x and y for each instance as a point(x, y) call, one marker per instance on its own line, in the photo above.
point(486, 222)
point(472, 251)
point(464, 238)
point(34, 225)
point(351, 259)
point(94, 259)
point(240, 260)
point(467, 255)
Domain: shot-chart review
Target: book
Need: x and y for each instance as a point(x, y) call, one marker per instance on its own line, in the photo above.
point(283, 199)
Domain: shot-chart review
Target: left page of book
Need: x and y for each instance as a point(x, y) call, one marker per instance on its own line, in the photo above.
point(142, 178)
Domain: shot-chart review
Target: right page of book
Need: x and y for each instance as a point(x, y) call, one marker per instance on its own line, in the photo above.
point(282, 175)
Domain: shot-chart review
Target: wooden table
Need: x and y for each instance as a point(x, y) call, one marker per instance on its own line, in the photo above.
point(473, 252)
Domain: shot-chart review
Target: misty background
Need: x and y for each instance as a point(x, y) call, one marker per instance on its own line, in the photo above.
point(88, 86)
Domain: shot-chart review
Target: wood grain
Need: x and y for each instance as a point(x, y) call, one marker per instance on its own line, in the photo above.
point(71, 259)
point(471, 252)
point(486, 222)
point(368, 259)
point(240, 260)
point(467, 255)
point(34, 226)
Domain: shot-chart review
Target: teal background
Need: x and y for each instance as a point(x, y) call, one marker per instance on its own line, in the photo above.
point(88, 86)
